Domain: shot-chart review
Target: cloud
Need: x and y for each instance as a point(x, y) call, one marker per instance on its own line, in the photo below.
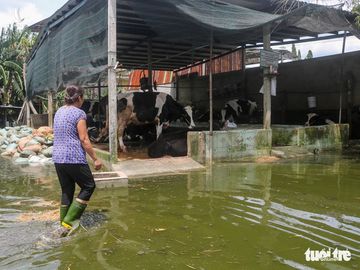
point(21, 13)
point(325, 47)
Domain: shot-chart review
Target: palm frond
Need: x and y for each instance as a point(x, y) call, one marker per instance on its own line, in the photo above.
point(4, 76)
point(19, 81)
point(13, 66)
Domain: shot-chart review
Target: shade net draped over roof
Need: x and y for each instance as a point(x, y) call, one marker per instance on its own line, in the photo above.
point(76, 50)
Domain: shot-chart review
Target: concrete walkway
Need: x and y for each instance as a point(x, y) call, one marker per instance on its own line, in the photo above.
point(136, 168)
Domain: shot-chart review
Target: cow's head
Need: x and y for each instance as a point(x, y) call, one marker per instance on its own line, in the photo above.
point(253, 107)
point(189, 117)
point(310, 116)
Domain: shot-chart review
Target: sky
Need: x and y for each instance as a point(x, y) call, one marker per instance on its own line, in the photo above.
point(32, 11)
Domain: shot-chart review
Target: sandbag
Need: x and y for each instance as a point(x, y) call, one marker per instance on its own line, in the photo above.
point(35, 148)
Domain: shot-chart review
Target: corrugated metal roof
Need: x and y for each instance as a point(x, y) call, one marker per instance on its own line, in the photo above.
point(179, 30)
point(161, 77)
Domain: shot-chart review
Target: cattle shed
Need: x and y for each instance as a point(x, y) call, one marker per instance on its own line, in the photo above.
point(85, 42)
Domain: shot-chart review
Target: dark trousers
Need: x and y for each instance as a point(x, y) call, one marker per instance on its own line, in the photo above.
point(68, 175)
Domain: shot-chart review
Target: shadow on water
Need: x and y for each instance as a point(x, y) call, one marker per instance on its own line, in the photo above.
point(234, 216)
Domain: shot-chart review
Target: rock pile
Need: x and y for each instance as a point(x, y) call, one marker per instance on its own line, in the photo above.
point(26, 145)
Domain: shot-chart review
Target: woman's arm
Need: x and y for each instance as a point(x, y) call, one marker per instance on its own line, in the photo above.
point(85, 142)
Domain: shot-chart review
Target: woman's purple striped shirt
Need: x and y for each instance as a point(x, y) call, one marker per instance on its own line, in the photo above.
point(67, 145)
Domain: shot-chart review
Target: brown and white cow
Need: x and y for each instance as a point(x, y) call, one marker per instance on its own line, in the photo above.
point(141, 108)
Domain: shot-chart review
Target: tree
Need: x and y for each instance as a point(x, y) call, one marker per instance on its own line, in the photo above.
point(285, 6)
point(299, 55)
point(309, 55)
point(15, 46)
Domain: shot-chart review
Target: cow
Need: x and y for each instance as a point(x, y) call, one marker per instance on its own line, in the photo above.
point(94, 110)
point(238, 110)
point(172, 142)
point(315, 120)
point(141, 108)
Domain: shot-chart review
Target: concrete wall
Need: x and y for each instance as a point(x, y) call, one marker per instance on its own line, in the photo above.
point(232, 145)
point(329, 137)
point(296, 81)
point(229, 145)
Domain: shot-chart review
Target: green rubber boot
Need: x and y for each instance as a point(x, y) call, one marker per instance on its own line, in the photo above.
point(72, 219)
point(63, 211)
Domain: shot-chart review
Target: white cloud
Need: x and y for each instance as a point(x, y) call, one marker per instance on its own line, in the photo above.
point(23, 14)
point(325, 47)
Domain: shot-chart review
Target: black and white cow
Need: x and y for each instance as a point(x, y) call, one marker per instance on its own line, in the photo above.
point(172, 142)
point(95, 112)
point(140, 108)
point(315, 120)
point(238, 110)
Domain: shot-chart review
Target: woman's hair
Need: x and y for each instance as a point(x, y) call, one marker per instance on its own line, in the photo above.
point(72, 93)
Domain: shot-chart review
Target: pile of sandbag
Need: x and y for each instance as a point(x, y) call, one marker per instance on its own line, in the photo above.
point(26, 145)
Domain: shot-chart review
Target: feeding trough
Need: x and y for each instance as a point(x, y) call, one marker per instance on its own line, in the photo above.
point(110, 179)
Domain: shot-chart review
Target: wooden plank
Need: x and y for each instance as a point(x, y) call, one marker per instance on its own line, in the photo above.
point(28, 118)
point(32, 107)
point(50, 109)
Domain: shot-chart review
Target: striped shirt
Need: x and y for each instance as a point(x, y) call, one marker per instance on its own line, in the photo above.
point(67, 145)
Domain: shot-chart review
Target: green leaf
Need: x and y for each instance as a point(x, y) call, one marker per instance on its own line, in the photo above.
point(12, 65)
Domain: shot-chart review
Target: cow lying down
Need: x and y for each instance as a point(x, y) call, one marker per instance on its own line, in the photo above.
point(141, 108)
point(173, 143)
point(315, 120)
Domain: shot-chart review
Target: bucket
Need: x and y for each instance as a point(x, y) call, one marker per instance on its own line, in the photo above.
point(312, 102)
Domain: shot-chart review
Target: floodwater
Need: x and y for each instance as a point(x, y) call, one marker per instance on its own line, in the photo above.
point(235, 216)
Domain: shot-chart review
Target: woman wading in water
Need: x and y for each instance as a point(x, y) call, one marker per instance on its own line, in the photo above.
point(71, 143)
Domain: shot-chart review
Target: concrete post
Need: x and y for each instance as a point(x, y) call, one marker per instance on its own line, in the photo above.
point(267, 81)
point(211, 100)
point(112, 93)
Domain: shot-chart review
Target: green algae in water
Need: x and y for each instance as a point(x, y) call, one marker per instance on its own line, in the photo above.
point(234, 216)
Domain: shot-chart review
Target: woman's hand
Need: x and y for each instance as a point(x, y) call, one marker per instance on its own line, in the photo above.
point(97, 164)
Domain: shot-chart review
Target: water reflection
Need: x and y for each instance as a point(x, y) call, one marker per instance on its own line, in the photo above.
point(234, 216)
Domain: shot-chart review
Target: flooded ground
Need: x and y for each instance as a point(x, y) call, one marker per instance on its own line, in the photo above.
point(236, 216)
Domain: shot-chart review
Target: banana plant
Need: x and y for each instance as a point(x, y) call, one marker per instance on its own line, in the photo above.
point(11, 82)
point(15, 46)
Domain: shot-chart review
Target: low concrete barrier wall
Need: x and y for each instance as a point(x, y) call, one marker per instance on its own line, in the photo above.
point(328, 137)
point(232, 145)
point(229, 145)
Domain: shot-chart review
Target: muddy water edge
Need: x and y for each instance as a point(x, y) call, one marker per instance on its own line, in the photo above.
point(234, 216)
